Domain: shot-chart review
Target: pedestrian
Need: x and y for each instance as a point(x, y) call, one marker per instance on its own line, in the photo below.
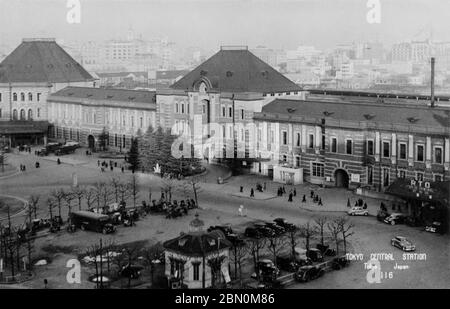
point(304, 198)
point(284, 190)
point(320, 202)
point(365, 205)
point(252, 193)
point(348, 203)
point(24, 168)
point(241, 189)
point(112, 168)
point(123, 170)
point(115, 164)
point(58, 161)
point(290, 197)
point(295, 192)
point(312, 193)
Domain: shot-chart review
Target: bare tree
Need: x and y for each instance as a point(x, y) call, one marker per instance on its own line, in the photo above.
point(68, 198)
point(58, 196)
point(79, 192)
point(307, 231)
point(33, 202)
point(321, 222)
point(346, 230)
point(334, 228)
point(134, 188)
point(168, 186)
point(293, 239)
point(51, 205)
point(238, 256)
point(90, 197)
point(255, 245)
point(275, 244)
point(124, 191)
point(130, 253)
point(115, 184)
point(152, 257)
point(102, 195)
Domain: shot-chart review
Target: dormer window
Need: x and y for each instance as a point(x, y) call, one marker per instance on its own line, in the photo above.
point(202, 88)
point(182, 242)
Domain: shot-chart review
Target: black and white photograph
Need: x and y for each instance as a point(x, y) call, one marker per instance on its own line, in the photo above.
point(234, 147)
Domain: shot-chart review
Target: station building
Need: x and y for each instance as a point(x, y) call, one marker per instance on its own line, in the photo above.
point(34, 70)
point(82, 114)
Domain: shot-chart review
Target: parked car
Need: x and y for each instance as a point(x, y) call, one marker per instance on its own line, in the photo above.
point(402, 243)
point(226, 229)
point(395, 218)
point(65, 149)
point(435, 227)
point(252, 232)
point(287, 264)
point(382, 214)
point(286, 225)
point(267, 269)
point(42, 152)
point(72, 143)
point(413, 221)
point(264, 230)
point(131, 271)
point(339, 263)
point(308, 273)
point(358, 211)
point(279, 230)
point(315, 255)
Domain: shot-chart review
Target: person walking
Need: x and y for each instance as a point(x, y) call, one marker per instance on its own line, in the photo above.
point(252, 193)
point(320, 202)
point(123, 170)
point(304, 198)
point(295, 192)
point(312, 193)
point(290, 197)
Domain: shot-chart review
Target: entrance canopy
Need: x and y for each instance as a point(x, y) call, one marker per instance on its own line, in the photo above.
point(421, 190)
point(23, 127)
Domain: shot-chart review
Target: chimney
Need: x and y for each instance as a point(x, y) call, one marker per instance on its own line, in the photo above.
point(432, 81)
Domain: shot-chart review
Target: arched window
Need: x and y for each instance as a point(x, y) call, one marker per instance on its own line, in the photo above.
point(22, 114)
point(15, 114)
point(30, 114)
point(14, 96)
point(22, 96)
point(30, 96)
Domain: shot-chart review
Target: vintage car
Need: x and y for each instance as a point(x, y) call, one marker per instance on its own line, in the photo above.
point(402, 243)
point(395, 218)
point(358, 211)
point(435, 227)
point(308, 273)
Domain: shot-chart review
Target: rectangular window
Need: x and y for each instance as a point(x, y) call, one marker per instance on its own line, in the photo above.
point(386, 149)
point(230, 112)
point(224, 111)
point(348, 147)
point(401, 174)
point(38, 97)
point(419, 176)
point(284, 137)
point(242, 114)
point(402, 151)
point(438, 155)
point(333, 146)
point(420, 152)
point(182, 108)
point(311, 141)
point(370, 148)
point(318, 169)
point(297, 140)
point(188, 106)
point(297, 161)
point(370, 175)
point(196, 267)
point(176, 108)
point(385, 177)
point(0, 97)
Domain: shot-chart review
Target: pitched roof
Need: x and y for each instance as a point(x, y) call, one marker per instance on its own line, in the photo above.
point(108, 94)
point(41, 60)
point(237, 70)
point(390, 114)
point(197, 244)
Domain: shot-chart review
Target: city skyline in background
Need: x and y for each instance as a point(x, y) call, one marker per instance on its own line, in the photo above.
point(210, 24)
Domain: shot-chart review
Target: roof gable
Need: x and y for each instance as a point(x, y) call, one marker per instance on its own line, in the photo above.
point(237, 70)
point(41, 61)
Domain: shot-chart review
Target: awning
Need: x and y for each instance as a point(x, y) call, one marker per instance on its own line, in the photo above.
point(421, 191)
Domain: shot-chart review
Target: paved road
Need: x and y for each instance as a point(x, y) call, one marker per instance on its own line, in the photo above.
point(370, 235)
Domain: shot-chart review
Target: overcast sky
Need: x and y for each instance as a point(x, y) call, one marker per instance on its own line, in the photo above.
point(211, 23)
